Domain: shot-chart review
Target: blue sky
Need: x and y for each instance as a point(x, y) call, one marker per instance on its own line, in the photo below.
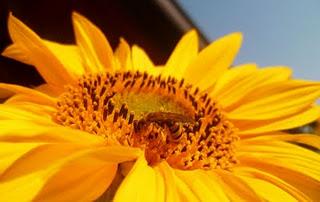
point(275, 32)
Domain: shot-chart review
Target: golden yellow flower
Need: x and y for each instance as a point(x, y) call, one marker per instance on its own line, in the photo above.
point(113, 124)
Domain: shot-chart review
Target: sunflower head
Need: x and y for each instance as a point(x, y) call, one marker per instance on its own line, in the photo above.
point(168, 119)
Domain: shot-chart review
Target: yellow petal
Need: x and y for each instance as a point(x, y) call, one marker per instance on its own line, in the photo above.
point(13, 51)
point(26, 190)
point(307, 185)
point(81, 171)
point(49, 90)
point(292, 156)
point(27, 111)
point(232, 79)
point(184, 53)
point(94, 47)
point(276, 100)
point(117, 154)
point(306, 139)
point(140, 59)
point(168, 186)
point(264, 126)
point(236, 188)
point(31, 131)
point(169, 177)
point(32, 157)
point(157, 70)
point(90, 182)
point(139, 185)
point(11, 152)
point(69, 56)
point(123, 54)
point(255, 173)
point(35, 96)
point(22, 98)
point(47, 64)
point(213, 61)
point(202, 185)
point(161, 186)
point(239, 81)
point(272, 74)
point(268, 191)
point(183, 190)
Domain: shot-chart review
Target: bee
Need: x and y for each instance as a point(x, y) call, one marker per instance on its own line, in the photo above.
point(172, 121)
point(167, 118)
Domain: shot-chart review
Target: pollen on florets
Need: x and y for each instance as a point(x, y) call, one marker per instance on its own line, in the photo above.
point(169, 119)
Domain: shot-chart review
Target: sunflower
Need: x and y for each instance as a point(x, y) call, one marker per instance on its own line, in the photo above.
point(112, 125)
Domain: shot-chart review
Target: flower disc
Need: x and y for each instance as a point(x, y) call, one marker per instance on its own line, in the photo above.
point(167, 118)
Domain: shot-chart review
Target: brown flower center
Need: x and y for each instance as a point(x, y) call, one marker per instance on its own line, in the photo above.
point(170, 120)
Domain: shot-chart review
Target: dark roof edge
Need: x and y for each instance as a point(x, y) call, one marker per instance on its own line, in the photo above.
point(183, 21)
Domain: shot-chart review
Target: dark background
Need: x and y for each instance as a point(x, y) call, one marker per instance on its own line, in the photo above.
point(148, 23)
